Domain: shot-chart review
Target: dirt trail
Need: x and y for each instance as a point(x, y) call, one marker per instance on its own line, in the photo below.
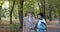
point(52, 26)
point(5, 26)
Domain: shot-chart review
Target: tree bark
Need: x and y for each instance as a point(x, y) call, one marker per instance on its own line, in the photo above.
point(50, 10)
point(44, 10)
point(11, 12)
point(39, 6)
point(0, 12)
point(59, 16)
point(20, 12)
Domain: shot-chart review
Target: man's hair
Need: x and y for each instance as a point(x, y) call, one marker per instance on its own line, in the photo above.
point(30, 12)
point(41, 14)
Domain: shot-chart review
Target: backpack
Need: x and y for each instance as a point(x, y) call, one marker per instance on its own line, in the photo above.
point(42, 25)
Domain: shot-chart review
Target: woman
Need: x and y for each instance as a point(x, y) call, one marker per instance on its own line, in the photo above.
point(28, 23)
point(41, 24)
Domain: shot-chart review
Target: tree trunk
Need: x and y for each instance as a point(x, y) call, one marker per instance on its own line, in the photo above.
point(0, 12)
point(50, 10)
point(11, 12)
point(59, 15)
point(59, 9)
point(39, 7)
point(21, 14)
point(44, 10)
point(42, 6)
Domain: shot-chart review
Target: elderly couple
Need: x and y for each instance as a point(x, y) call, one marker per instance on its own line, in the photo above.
point(30, 25)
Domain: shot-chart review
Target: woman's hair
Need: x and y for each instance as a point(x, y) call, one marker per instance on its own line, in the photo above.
point(30, 12)
point(41, 14)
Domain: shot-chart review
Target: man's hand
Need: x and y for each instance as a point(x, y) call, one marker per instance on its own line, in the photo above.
point(32, 27)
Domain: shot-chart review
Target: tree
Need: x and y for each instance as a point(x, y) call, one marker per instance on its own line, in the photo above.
point(45, 4)
point(0, 8)
point(59, 9)
point(11, 12)
point(44, 8)
point(20, 12)
point(0, 12)
point(42, 3)
point(50, 10)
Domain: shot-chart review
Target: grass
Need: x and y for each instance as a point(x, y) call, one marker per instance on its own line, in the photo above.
point(14, 26)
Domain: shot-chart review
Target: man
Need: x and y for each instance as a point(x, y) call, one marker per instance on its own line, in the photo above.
point(41, 24)
point(28, 22)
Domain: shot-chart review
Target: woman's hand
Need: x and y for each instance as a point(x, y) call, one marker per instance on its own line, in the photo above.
point(32, 27)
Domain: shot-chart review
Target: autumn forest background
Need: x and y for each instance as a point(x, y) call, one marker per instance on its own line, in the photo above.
point(13, 11)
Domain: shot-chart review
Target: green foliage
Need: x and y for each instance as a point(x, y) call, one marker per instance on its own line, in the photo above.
point(33, 5)
point(30, 5)
point(15, 10)
point(14, 26)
